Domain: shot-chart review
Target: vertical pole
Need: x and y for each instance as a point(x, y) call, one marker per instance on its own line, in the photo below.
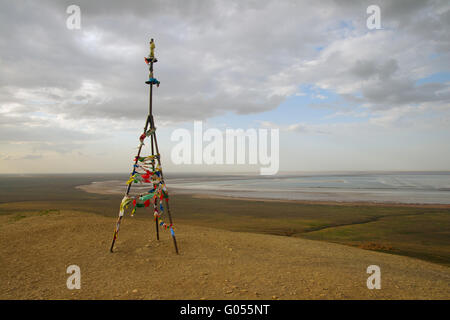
point(150, 115)
point(154, 145)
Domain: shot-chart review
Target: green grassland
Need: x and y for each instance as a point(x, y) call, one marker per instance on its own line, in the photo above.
point(421, 232)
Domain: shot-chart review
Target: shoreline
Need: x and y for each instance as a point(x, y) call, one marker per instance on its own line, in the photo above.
point(105, 188)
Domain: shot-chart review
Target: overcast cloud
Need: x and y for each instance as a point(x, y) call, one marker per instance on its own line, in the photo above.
point(216, 58)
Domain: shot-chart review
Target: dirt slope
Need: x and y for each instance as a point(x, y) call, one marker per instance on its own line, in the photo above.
point(213, 264)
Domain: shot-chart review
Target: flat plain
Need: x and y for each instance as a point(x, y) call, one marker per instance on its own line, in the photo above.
point(229, 248)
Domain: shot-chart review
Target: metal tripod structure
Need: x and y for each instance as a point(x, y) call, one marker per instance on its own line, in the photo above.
point(149, 131)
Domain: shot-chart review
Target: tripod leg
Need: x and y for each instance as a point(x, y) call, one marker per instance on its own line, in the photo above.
point(116, 232)
point(153, 167)
point(174, 240)
point(171, 229)
point(162, 178)
point(157, 228)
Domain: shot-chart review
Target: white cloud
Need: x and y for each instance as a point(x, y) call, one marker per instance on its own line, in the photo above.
point(215, 58)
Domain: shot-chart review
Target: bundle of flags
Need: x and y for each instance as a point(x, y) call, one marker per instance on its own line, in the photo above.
point(147, 171)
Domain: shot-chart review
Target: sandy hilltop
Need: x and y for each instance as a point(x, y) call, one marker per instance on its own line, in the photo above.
point(212, 264)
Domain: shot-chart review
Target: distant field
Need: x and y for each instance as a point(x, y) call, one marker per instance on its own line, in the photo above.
point(421, 232)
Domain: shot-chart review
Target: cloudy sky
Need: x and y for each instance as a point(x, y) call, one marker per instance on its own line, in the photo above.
point(343, 97)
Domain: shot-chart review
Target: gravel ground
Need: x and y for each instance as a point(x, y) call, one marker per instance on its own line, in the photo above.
point(212, 264)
